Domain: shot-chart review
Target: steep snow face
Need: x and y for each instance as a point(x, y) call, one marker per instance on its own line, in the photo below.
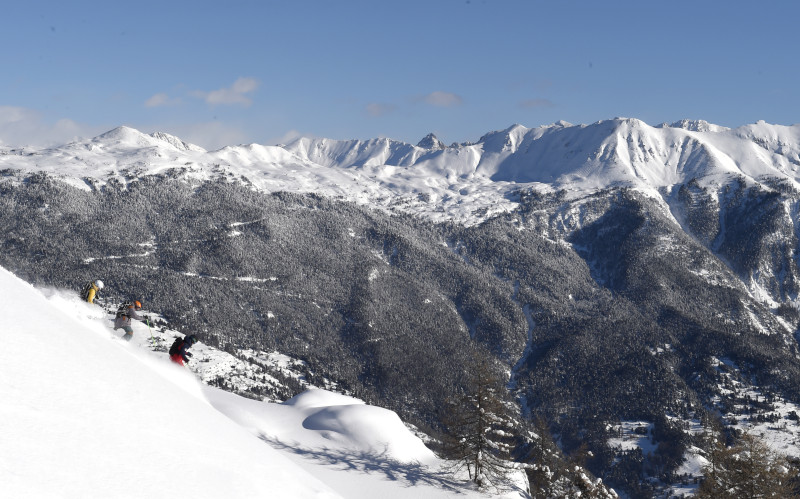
point(349, 153)
point(176, 142)
point(85, 415)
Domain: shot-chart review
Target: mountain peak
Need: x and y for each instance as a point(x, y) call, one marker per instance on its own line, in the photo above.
point(121, 133)
point(695, 126)
point(431, 142)
point(176, 142)
point(126, 136)
point(634, 123)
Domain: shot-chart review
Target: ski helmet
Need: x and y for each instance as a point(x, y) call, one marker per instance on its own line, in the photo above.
point(190, 339)
point(137, 304)
point(99, 284)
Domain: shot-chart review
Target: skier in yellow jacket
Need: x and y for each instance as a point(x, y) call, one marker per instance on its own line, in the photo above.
point(89, 292)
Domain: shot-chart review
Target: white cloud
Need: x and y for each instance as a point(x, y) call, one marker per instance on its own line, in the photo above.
point(285, 138)
point(10, 115)
point(21, 126)
point(537, 103)
point(443, 99)
point(235, 94)
point(161, 99)
point(214, 135)
point(376, 109)
point(210, 135)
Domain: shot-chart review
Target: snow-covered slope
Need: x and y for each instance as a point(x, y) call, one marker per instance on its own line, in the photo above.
point(452, 182)
point(85, 414)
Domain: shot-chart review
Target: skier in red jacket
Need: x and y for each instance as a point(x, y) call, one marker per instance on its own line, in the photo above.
point(178, 353)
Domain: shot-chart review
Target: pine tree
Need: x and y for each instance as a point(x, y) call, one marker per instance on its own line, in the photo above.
point(551, 474)
point(480, 426)
point(748, 469)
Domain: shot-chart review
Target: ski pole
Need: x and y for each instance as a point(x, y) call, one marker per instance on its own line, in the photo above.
point(152, 339)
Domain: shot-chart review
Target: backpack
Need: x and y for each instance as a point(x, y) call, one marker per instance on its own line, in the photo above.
point(176, 346)
point(122, 311)
point(85, 291)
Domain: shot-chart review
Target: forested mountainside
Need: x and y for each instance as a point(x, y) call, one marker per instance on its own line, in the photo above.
point(665, 307)
point(620, 318)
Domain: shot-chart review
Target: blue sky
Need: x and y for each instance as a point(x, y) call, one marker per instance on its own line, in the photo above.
point(229, 72)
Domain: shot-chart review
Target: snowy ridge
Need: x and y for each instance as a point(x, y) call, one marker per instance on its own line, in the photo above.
point(374, 152)
point(696, 126)
point(108, 418)
point(123, 137)
point(464, 182)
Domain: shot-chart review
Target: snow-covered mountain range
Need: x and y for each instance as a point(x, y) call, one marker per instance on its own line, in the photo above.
point(632, 280)
point(465, 182)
